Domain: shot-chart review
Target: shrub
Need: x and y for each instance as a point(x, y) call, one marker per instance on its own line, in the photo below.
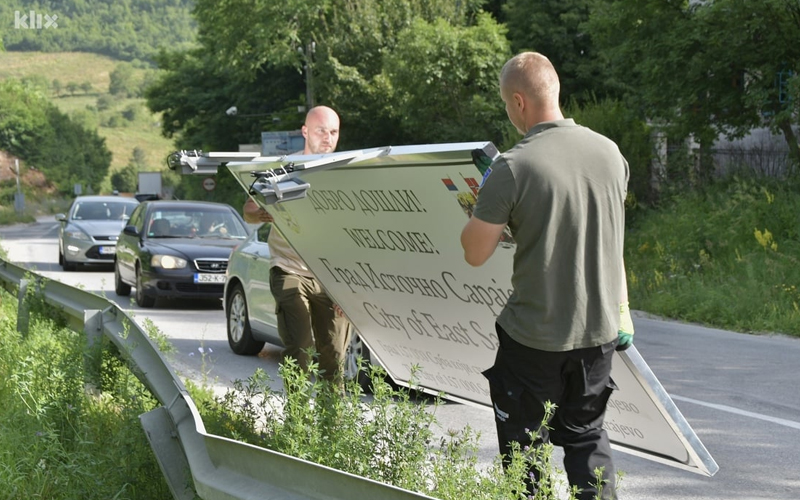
point(389, 436)
point(614, 120)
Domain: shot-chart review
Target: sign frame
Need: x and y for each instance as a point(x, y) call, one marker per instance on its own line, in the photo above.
point(641, 419)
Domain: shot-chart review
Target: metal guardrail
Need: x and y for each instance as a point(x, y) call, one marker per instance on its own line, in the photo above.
point(194, 463)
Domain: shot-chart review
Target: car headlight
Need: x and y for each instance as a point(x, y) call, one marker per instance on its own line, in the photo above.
point(77, 234)
point(167, 262)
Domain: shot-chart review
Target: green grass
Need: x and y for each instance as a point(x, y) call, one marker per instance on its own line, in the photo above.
point(67, 67)
point(79, 67)
point(58, 441)
point(725, 256)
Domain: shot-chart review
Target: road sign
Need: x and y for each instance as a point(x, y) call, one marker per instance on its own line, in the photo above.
point(393, 262)
point(209, 183)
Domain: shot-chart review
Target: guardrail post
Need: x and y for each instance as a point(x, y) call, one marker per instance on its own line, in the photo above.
point(23, 313)
point(171, 458)
point(93, 355)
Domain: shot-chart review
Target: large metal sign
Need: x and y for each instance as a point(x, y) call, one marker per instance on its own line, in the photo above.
point(381, 232)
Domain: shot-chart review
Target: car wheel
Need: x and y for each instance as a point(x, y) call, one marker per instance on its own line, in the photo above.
point(356, 349)
point(142, 298)
point(240, 337)
point(120, 287)
point(67, 265)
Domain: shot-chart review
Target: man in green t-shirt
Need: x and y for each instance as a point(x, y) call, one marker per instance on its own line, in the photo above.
point(561, 192)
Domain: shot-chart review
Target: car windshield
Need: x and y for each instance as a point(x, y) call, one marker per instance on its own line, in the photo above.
point(195, 223)
point(103, 210)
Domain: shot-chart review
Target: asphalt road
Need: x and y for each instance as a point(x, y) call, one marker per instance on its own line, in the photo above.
point(739, 392)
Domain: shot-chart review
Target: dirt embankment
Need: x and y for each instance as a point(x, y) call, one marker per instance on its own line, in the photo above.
point(33, 178)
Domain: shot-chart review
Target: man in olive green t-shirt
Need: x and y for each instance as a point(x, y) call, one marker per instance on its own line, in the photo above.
point(561, 192)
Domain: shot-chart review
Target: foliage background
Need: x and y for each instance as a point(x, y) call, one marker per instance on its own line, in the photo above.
point(123, 29)
point(33, 128)
point(413, 71)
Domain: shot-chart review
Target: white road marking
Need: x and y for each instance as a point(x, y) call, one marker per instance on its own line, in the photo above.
point(730, 409)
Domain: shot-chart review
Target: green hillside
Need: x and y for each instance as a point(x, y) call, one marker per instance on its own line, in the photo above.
point(123, 29)
point(125, 123)
point(73, 55)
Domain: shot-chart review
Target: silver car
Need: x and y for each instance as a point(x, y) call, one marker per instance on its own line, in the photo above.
point(89, 230)
point(250, 306)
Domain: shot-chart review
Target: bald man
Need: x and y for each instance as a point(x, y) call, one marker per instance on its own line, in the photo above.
point(307, 317)
point(561, 191)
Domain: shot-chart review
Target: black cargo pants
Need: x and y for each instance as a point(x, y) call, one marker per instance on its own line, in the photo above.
point(579, 383)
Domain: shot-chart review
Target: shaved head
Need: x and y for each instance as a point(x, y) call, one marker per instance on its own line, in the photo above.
point(532, 75)
point(321, 113)
point(529, 88)
point(321, 130)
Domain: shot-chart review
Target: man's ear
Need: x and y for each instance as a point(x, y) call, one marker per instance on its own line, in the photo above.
point(304, 131)
point(519, 101)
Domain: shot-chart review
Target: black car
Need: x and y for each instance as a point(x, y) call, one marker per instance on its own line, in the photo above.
point(176, 249)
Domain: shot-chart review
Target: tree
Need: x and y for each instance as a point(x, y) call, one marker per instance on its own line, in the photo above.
point(35, 130)
point(40, 82)
point(104, 102)
point(556, 29)
point(444, 81)
point(149, 78)
point(22, 117)
point(69, 154)
point(131, 112)
point(122, 29)
point(57, 87)
point(126, 179)
point(704, 68)
point(123, 82)
point(343, 44)
point(193, 93)
point(72, 87)
point(753, 48)
point(87, 87)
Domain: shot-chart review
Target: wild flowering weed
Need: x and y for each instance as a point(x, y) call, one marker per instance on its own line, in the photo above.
point(765, 240)
point(719, 256)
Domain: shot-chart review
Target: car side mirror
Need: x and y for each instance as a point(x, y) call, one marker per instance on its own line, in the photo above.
point(61, 217)
point(130, 230)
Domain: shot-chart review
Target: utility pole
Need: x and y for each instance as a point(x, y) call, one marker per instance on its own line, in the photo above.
point(19, 198)
point(309, 55)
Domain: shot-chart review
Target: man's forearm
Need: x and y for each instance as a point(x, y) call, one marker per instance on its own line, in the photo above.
point(623, 291)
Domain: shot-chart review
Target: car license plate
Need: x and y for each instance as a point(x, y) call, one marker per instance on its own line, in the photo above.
point(107, 250)
point(209, 278)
